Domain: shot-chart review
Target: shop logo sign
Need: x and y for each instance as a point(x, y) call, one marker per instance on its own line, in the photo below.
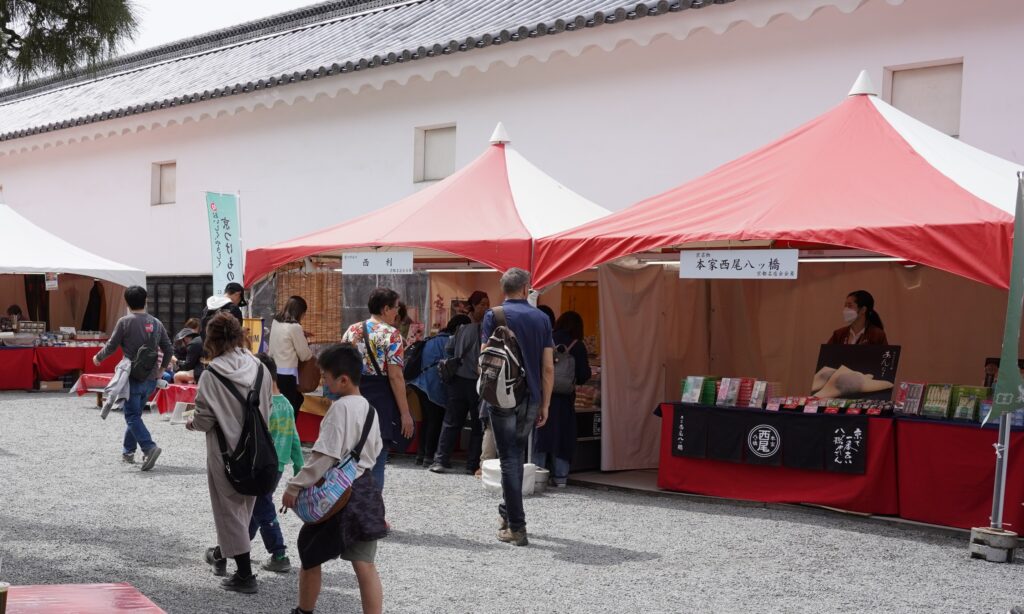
point(764, 440)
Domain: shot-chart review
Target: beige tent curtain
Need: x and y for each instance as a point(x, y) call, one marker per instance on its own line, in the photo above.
point(658, 329)
point(69, 301)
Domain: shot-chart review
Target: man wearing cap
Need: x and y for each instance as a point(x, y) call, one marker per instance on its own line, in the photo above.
point(231, 301)
point(191, 367)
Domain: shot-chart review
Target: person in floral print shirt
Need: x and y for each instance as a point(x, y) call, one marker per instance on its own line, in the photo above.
point(383, 384)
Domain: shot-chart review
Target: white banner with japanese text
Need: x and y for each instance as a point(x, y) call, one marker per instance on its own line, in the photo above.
point(739, 264)
point(225, 239)
point(377, 263)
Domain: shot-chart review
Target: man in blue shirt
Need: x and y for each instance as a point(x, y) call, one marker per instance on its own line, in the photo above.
point(511, 427)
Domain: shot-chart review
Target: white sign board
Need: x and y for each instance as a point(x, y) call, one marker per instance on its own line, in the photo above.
point(739, 264)
point(51, 281)
point(377, 263)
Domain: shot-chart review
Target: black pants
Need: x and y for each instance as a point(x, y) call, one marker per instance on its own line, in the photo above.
point(462, 401)
point(289, 386)
point(433, 417)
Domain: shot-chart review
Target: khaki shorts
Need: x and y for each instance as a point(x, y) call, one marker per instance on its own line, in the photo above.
point(364, 552)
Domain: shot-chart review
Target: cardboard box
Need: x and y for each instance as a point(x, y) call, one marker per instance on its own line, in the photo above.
point(52, 386)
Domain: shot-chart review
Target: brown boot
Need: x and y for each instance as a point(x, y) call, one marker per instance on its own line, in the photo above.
point(516, 538)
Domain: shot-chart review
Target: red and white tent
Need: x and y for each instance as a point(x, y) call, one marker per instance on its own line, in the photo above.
point(490, 212)
point(863, 175)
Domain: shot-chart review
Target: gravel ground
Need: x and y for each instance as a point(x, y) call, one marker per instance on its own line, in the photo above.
point(72, 512)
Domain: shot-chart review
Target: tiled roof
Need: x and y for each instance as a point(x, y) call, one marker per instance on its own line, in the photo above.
point(326, 39)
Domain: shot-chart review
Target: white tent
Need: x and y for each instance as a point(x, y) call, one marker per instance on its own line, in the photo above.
point(28, 249)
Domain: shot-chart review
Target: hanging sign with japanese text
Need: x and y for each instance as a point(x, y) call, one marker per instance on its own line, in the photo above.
point(739, 264)
point(377, 263)
point(51, 281)
point(225, 239)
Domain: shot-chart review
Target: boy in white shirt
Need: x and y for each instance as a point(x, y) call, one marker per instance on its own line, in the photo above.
point(352, 533)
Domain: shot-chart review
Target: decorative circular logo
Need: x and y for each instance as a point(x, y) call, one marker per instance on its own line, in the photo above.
point(764, 440)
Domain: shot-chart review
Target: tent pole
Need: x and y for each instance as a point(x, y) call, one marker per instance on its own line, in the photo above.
point(1002, 447)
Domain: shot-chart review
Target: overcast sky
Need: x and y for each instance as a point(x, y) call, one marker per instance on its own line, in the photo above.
point(164, 21)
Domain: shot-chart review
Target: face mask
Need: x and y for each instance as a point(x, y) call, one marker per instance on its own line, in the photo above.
point(849, 315)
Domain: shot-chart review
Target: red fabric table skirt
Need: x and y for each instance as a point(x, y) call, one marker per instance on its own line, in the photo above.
point(16, 368)
point(53, 362)
point(79, 598)
point(167, 398)
point(874, 492)
point(947, 472)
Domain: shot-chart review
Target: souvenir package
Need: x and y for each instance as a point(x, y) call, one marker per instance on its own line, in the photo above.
point(774, 404)
point(966, 401)
point(709, 391)
point(907, 398)
point(728, 392)
point(746, 390)
point(854, 409)
point(692, 387)
point(834, 406)
point(757, 394)
point(811, 406)
point(880, 408)
point(937, 401)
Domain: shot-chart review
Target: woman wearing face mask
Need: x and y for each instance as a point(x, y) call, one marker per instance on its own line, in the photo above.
point(863, 325)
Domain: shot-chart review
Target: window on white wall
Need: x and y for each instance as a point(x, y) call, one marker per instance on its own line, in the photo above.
point(163, 184)
point(930, 94)
point(435, 153)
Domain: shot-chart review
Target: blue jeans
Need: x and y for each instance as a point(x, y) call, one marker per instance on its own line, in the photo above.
point(136, 435)
point(378, 467)
point(264, 521)
point(511, 430)
point(561, 465)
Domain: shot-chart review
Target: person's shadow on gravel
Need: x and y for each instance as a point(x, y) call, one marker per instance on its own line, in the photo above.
point(414, 538)
point(588, 553)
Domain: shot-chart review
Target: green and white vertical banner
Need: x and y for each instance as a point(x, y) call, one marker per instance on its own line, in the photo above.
point(225, 239)
point(1009, 392)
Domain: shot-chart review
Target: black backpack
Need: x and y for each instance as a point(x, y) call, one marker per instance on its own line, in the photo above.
point(414, 360)
point(144, 361)
point(252, 467)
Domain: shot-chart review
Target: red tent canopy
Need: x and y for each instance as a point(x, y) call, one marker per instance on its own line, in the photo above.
point(863, 175)
point(490, 212)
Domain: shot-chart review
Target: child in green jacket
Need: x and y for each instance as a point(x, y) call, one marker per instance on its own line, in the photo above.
point(289, 450)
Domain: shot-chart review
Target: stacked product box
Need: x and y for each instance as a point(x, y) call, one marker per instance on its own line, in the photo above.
point(937, 401)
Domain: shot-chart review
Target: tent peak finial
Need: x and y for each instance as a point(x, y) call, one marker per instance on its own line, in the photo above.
point(500, 135)
point(863, 86)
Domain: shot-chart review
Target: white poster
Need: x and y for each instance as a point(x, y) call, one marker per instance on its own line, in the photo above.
point(51, 281)
point(739, 264)
point(377, 263)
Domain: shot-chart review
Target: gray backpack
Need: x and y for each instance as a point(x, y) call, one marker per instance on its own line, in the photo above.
point(502, 382)
point(565, 370)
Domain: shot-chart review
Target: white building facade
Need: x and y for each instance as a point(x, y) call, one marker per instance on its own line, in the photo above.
point(617, 112)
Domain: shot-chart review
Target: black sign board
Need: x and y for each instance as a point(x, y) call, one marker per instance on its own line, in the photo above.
point(856, 372)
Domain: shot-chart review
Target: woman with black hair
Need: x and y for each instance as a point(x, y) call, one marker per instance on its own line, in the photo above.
point(557, 438)
point(863, 324)
point(431, 391)
point(288, 347)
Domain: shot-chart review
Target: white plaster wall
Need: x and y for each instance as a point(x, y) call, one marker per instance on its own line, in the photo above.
point(615, 126)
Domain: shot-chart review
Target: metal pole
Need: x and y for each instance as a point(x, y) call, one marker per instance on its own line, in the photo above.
point(1002, 447)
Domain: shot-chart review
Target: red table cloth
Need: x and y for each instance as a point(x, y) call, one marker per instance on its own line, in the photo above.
point(947, 470)
point(874, 492)
point(167, 398)
point(53, 362)
point(308, 426)
point(80, 599)
point(16, 368)
point(91, 382)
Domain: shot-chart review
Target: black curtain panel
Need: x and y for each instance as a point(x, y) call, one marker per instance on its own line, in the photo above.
point(37, 299)
point(94, 309)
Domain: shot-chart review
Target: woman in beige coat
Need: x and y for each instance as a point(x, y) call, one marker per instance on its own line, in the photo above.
point(216, 406)
point(288, 347)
